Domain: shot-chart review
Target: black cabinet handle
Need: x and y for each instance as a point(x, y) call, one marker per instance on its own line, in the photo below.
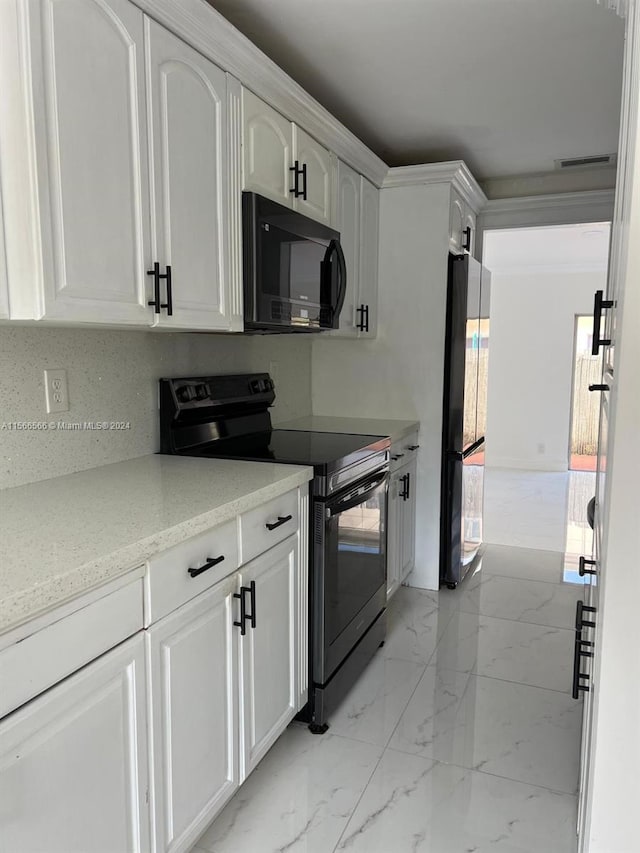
point(297, 172)
point(598, 305)
point(251, 589)
point(466, 242)
point(408, 486)
point(578, 686)
point(282, 519)
point(360, 324)
point(581, 622)
point(155, 272)
point(366, 318)
point(413, 447)
point(211, 562)
point(404, 494)
point(582, 562)
point(169, 303)
point(157, 277)
point(598, 387)
point(396, 457)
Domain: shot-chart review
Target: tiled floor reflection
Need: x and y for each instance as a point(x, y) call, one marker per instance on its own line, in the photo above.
point(538, 509)
point(461, 735)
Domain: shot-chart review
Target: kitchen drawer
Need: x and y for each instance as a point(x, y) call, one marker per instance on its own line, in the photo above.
point(47, 656)
point(264, 527)
point(169, 581)
point(404, 450)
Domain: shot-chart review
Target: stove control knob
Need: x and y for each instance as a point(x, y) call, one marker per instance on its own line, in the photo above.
point(201, 392)
point(184, 393)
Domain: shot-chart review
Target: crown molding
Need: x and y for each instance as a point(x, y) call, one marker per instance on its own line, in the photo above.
point(205, 29)
point(556, 209)
point(455, 172)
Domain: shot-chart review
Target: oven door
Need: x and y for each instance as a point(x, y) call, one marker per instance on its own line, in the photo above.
point(350, 570)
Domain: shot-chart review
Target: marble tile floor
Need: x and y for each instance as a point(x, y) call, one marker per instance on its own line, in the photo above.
point(460, 737)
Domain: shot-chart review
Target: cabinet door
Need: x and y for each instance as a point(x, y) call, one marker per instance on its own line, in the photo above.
point(188, 109)
point(368, 278)
point(469, 230)
point(348, 224)
point(267, 147)
point(456, 222)
point(408, 533)
point(73, 763)
point(268, 652)
point(91, 149)
point(192, 663)
point(319, 172)
point(394, 534)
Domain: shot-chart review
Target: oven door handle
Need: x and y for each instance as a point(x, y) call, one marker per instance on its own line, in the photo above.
point(358, 499)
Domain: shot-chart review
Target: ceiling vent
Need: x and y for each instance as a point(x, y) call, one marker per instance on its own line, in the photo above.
point(585, 162)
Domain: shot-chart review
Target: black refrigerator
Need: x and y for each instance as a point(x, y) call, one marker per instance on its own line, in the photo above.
point(464, 416)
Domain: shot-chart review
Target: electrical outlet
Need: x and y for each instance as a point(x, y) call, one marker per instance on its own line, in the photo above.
point(56, 391)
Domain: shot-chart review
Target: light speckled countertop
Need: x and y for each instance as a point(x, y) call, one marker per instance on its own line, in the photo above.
point(61, 537)
point(355, 426)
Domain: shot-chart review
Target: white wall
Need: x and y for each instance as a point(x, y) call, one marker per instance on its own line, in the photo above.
point(400, 373)
point(537, 288)
point(112, 376)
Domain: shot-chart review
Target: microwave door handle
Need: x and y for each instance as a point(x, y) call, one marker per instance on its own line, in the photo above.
point(342, 286)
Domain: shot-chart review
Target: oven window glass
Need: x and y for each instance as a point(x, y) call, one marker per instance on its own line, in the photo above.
point(355, 566)
point(290, 265)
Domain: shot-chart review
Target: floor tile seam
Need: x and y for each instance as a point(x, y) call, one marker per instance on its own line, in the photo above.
point(511, 681)
point(507, 619)
point(560, 583)
point(573, 794)
point(532, 686)
point(355, 806)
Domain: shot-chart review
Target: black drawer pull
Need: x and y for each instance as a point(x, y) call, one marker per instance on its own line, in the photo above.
point(211, 562)
point(598, 387)
point(396, 457)
point(582, 562)
point(282, 519)
point(580, 621)
point(413, 447)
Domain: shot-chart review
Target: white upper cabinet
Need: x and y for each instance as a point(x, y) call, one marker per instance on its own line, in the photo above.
point(357, 220)
point(462, 225)
point(282, 162)
point(90, 194)
point(73, 762)
point(188, 109)
point(267, 150)
point(114, 138)
point(369, 231)
point(348, 224)
point(315, 177)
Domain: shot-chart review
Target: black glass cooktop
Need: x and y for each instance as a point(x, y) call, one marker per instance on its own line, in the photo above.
point(323, 450)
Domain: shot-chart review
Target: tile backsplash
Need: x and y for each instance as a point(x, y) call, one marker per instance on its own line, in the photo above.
point(112, 376)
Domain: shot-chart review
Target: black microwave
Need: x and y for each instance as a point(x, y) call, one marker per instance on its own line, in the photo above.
point(295, 274)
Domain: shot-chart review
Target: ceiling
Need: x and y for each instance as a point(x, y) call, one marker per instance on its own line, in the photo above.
point(506, 85)
point(562, 247)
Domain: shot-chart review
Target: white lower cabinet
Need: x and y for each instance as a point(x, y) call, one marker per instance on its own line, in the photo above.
point(192, 657)
point(268, 651)
point(73, 762)
point(401, 536)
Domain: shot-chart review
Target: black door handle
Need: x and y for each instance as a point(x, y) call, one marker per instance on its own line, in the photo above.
point(598, 387)
point(578, 686)
point(404, 494)
point(297, 172)
point(582, 562)
point(251, 589)
point(466, 243)
point(155, 272)
point(211, 562)
point(598, 305)
point(360, 325)
point(282, 519)
point(169, 303)
point(304, 181)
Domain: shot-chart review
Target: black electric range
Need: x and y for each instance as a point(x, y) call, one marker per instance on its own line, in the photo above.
point(227, 417)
